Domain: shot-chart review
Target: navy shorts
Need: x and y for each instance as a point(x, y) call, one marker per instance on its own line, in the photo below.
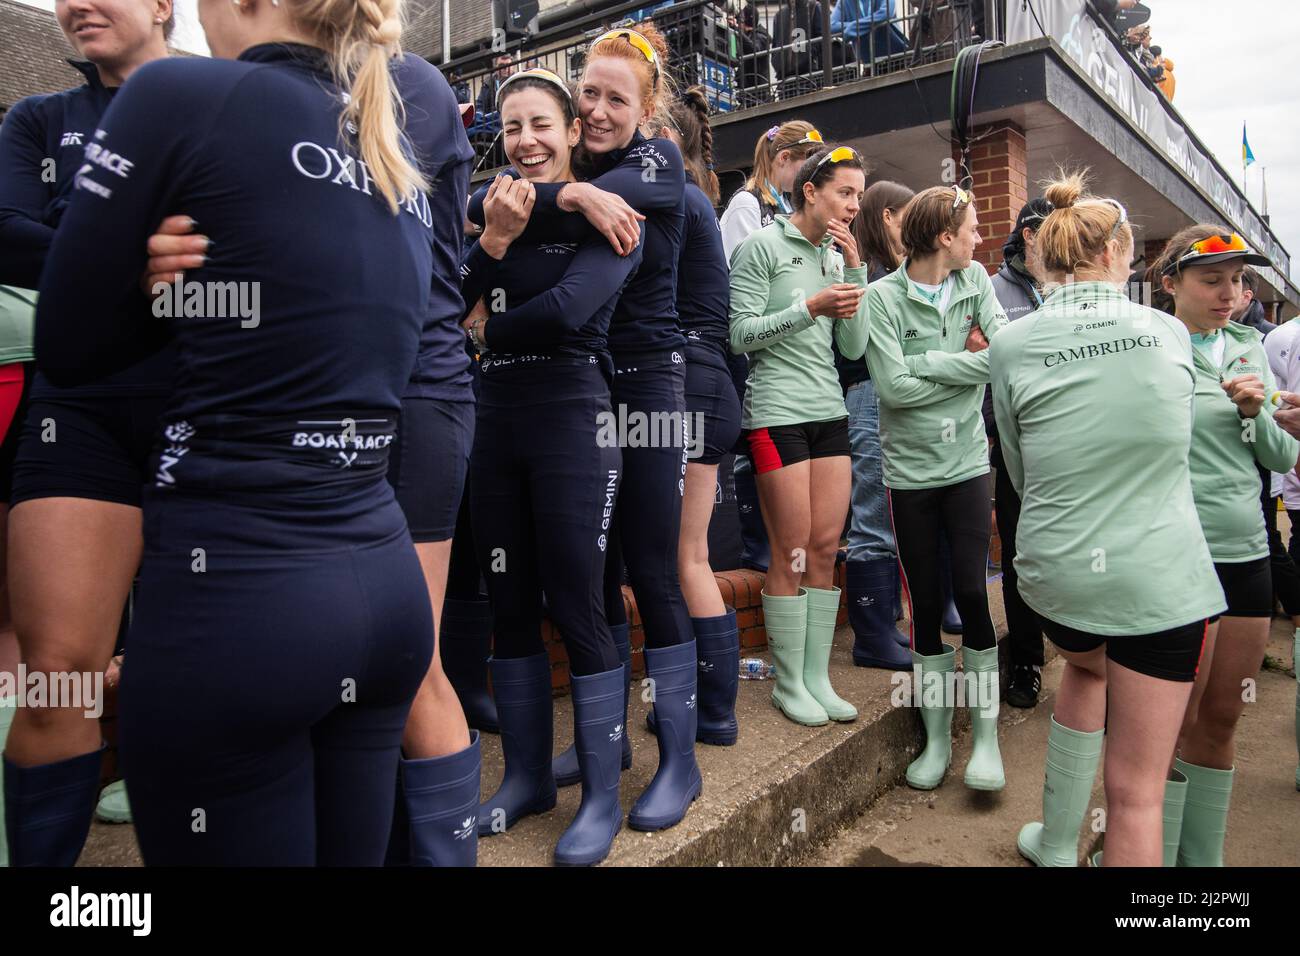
point(1173, 655)
point(95, 447)
point(1248, 588)
point(712, 408)
point(428, 462)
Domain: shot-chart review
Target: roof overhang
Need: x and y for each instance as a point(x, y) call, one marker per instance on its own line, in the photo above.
point(899, 122)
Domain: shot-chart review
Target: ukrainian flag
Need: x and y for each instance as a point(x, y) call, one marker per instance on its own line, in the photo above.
point(1247, 157)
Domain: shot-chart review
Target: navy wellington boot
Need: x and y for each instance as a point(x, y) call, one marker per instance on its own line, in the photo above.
point(598, 731)
point(717, 642)
point(441, 795)
point(523, 688)
point(48, 809)
point(565, 765)
point(870, 586)
point(677, 782)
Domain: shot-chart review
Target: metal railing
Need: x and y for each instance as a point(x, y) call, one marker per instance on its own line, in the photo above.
point(761, 54)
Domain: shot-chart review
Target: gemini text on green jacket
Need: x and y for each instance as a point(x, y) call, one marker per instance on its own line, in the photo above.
point(930, 388)
point(1093, 399)
point(792, 377)
point(1225, 448)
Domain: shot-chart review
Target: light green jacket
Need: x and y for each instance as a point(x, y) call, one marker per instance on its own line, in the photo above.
point(1225, 448)
point(1093, 399)
point(792, 376)
point(17, 319)
point(930, 388)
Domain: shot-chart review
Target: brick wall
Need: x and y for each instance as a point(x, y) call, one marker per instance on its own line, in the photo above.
point(1000, 184)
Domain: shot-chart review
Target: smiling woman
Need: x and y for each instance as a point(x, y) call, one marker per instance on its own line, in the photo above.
point(546, 503)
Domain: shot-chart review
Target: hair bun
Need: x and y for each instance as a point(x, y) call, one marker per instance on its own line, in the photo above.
point(1066, 191)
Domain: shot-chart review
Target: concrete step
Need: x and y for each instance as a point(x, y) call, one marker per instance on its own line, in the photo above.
point(953, 826)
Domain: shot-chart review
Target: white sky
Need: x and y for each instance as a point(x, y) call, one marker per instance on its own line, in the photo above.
point(1234, 63)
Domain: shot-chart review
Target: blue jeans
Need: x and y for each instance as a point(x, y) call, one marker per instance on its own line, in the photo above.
point(871, 532)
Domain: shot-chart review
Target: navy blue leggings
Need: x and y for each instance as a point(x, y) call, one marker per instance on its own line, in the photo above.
point(649, 514)
point(542, 494)
point(265, 695)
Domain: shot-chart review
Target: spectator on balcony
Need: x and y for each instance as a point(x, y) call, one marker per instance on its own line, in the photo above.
point(797, 32)
point(1167, 81)
point(487, 94)
point(755, 69)
point(459, 87)
point(867, 25)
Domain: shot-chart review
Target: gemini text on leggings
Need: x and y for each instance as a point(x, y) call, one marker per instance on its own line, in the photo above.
point(77, 909)
point(82, 690)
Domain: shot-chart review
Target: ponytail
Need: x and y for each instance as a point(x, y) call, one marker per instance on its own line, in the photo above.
point(361, 38)
point(690, 116)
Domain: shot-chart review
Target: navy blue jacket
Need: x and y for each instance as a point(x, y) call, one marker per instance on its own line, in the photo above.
point(34, 194)
point(250, 148)
point(703, 279)
point(650, 176)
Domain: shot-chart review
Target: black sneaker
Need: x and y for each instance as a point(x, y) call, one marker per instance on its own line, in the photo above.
point(1026, 682)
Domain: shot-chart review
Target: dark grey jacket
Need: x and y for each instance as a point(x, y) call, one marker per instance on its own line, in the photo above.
point(1017, 297)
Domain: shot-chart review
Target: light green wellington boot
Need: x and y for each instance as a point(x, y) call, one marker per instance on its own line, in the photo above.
point(822, 608)
point(1175, 799)
point(1205, 814)
point(1072, 759)
point(113, 806)
point(786, 622)
point(7, 709)
point(984, 769)
point(926, 771)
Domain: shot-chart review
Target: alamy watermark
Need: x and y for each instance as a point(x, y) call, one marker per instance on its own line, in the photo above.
point(209, 300)
point(946, 689)
point(80, 690)
point(624, 428)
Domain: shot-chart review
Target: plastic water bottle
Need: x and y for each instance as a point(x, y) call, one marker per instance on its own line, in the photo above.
point(753, 668)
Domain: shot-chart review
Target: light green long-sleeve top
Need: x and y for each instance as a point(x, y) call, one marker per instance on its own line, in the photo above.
point(792, 376)
point(1225, 448)
point(17, 320)
point(1093, 397)
point(930, 388)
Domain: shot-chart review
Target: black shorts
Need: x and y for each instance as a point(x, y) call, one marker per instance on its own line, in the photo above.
point(1172, 655)
point(15, 387)
point(428, 462)
point(712, 408)
point(95, 447)
point(1248, 588)
point(780, 445)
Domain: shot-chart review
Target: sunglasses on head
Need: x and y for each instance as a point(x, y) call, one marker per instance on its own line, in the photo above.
point(1209, 246)
point(810, 138)
point(640, 43)
point(837, 155)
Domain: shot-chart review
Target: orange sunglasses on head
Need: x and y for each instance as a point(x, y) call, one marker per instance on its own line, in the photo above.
point(1209, 246)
